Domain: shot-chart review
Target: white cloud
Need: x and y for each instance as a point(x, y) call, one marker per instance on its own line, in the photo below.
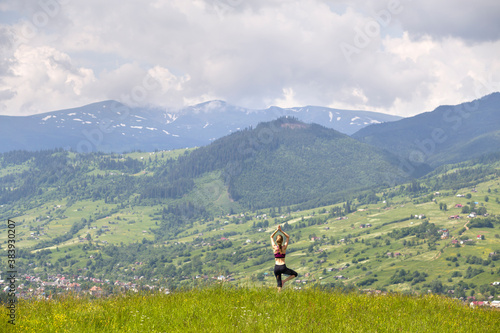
point(42, 76)
point(457, 72)
point(252, 53)
point(475, 21)
point(288, 100)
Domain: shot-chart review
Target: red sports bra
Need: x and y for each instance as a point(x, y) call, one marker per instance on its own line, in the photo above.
point(279, 255)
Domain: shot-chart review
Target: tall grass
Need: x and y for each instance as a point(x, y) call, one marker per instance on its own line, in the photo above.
point(225, 309)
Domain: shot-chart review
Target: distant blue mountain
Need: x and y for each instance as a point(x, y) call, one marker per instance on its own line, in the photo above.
point(110, 126)
point(449, 134)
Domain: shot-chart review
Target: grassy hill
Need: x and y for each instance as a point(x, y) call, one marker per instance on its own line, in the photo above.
point(224, 309)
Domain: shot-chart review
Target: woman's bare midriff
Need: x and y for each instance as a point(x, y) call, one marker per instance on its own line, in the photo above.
point(279, 261)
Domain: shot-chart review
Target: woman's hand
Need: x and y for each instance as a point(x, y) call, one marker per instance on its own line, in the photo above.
point(279, 227)
point(274, 233)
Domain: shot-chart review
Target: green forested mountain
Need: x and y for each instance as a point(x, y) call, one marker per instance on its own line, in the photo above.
point(449, 134)
point(283, 162)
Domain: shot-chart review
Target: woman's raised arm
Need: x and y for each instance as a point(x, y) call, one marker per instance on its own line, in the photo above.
point(286, 235)
point(272, 237)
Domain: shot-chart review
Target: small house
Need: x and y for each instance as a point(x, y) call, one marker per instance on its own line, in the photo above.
point(96, 291)
point(445, 234)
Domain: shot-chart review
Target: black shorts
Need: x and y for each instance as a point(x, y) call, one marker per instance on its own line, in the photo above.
point(282, 269)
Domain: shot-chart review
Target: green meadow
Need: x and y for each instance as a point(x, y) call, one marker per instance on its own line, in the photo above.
point(229, 309)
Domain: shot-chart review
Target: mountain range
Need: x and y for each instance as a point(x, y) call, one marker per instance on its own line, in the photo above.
point(110, 126)
point(448, 134)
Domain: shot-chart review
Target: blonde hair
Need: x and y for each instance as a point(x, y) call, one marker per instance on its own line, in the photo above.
point(279, 241)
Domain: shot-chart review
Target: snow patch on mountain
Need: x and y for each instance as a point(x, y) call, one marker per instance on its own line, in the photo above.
point(171, 117)
point(217, 118)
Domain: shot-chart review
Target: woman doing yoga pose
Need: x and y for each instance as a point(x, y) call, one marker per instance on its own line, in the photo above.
point(279, 257)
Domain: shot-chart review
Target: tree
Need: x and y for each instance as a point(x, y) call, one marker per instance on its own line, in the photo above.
point(436, 287)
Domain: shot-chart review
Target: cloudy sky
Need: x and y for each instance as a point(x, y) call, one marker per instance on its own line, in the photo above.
point(400, 57)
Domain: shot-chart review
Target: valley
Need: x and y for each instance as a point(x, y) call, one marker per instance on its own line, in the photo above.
point(371, 241)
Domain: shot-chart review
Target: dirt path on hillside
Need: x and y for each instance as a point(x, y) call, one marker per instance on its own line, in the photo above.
point(438, 254)
point(465, 225)
point(294, 220)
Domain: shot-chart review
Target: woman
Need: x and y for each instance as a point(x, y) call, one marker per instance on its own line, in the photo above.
point(279, 257)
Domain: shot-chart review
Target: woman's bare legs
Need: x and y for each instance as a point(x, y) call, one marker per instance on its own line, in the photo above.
point(287, 279)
